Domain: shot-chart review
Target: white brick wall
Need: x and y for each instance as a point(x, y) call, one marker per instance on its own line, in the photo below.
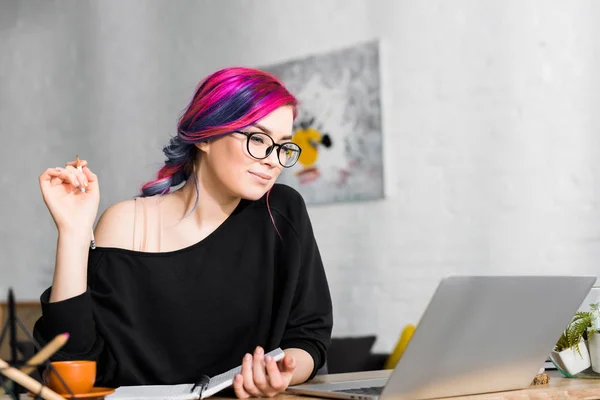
point(490, 112)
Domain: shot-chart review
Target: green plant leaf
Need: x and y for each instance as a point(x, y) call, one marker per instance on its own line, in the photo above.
point(582, 320)
point(562, 343)
point(580, 327)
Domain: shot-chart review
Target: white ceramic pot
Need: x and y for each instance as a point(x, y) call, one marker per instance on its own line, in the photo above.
point(594, 343)
point(570, 361)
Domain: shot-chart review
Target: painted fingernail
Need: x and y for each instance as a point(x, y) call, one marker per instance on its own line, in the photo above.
point(259, 350)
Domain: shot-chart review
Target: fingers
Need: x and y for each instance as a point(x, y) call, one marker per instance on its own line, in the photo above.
point(48, 174)
point(58, 176)
point(81, 180)
point(288, 364)
point(258, 370)
point(267, 367)
point(78, 166)
point(261, 376)
point(238, 387)
point(47, 177)
point(89, 175)
point(276, 381)
point(247, 369)
point(71, 175)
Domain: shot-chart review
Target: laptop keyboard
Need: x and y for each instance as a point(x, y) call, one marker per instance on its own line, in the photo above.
point(371, 391)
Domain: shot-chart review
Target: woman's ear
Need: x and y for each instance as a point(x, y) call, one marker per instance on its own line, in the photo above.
point(203, 146)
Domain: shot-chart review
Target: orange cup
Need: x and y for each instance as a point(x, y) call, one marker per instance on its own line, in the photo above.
point(78, 375)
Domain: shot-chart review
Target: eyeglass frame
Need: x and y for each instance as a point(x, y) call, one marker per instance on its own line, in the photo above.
point(272, 147)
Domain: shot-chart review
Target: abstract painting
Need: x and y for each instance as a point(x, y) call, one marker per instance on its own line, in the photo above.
point(338, 125)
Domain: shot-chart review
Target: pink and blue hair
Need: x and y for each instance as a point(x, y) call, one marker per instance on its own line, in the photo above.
point(225, 101)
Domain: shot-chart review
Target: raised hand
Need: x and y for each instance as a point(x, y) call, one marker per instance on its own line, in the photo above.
point(72, 208)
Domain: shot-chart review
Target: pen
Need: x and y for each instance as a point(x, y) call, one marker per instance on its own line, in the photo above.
point(80, 169)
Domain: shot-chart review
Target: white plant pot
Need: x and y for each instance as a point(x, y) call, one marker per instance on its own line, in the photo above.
point(570, 361)
point(594, 343)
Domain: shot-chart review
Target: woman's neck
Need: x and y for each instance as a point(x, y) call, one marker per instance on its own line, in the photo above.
point(214, 203)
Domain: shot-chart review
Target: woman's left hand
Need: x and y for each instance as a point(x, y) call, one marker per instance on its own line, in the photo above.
point(262, 376)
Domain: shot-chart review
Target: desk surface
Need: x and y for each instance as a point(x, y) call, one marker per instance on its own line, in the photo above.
point(558, 388)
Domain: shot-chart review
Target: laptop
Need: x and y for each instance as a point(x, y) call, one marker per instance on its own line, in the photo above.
point(479, 334)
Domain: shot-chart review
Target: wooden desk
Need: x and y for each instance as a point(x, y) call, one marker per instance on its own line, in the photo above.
point(558, 388)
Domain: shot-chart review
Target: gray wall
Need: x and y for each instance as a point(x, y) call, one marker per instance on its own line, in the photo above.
point(490, 129)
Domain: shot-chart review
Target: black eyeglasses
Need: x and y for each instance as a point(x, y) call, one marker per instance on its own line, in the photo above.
point(260, 146)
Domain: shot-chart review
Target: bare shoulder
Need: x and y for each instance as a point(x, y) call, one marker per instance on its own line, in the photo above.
point(115, 226)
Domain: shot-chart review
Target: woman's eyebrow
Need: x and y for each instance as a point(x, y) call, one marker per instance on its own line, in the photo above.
point(267, 131)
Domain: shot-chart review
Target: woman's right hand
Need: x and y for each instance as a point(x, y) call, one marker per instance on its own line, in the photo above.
point(72, 209)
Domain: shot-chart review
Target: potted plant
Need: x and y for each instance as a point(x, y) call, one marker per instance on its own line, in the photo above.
point(593, 338)
point(570, 354)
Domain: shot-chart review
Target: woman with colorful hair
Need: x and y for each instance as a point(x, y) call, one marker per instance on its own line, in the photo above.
point(212, 266)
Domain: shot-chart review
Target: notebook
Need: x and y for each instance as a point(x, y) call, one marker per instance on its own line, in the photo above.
point(206, 387)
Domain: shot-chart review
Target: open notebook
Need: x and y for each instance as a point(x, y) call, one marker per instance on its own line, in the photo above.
point(187, 391)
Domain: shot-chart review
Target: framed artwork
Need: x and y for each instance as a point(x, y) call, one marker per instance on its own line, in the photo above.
point(338, 125)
